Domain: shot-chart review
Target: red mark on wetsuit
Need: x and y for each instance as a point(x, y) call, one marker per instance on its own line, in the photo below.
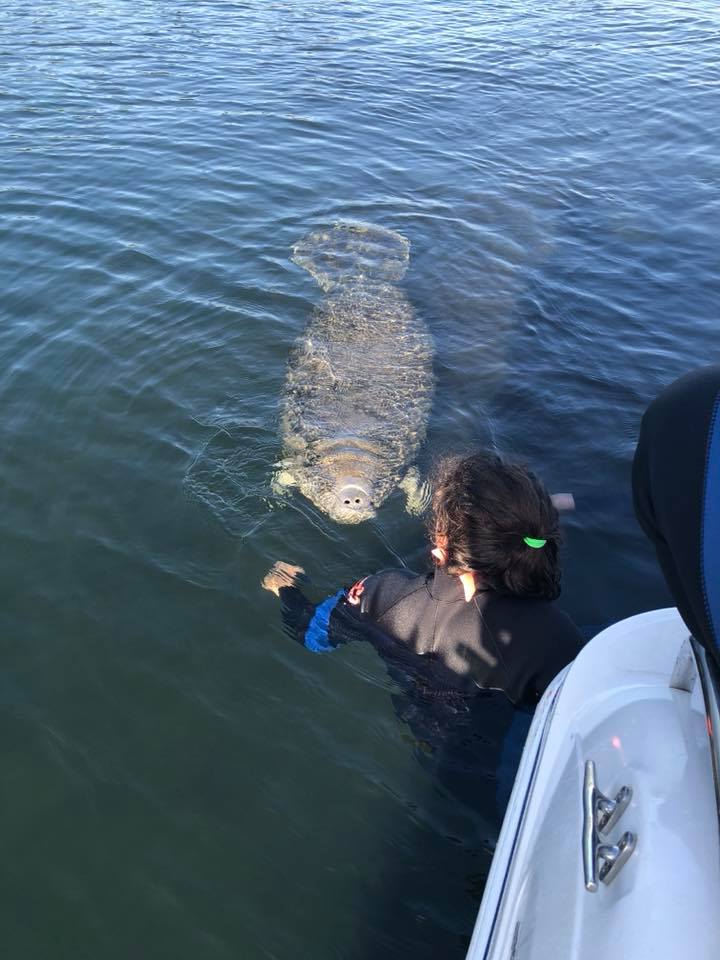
point(355, 592)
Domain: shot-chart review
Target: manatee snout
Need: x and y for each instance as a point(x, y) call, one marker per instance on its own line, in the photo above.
point(354, 494)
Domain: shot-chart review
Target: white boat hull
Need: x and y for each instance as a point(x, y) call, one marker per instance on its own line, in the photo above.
point(614, 705)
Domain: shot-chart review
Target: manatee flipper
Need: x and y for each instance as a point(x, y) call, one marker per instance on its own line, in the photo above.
point(281, 480)
point(417, 492)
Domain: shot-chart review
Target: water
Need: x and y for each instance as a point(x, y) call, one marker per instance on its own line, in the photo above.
point(179, 780)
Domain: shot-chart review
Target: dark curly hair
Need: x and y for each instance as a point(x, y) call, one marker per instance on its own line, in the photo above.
point(483, 507)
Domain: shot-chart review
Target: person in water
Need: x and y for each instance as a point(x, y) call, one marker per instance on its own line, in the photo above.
point(676, 491)
point(484, 618)
point(473, 643)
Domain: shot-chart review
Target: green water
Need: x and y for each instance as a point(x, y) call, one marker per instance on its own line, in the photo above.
point(179, 780)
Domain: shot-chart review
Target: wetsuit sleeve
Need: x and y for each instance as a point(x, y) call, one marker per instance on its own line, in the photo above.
point(373, 596)
point(676, 492)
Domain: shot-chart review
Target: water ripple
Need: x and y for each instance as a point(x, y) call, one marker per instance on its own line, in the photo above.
point(555, 169)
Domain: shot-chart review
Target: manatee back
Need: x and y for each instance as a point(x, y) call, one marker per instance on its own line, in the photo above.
point(362, 370)
point(349, 252)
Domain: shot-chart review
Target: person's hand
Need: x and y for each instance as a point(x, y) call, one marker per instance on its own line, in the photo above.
point(563, 501)
point(281, 574)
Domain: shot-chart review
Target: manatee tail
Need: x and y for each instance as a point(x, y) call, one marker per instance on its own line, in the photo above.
point(352, 251)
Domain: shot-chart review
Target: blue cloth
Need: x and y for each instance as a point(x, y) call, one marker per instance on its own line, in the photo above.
point(711, 526)
point(316, 636)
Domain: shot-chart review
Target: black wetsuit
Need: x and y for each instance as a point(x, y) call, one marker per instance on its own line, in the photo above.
point(676, 488)
point(469, 673)
point(494, 642)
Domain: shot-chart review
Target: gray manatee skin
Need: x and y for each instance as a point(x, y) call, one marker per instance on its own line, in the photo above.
point(359, 382)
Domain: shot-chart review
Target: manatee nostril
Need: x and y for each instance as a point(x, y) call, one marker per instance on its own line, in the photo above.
point(353, 495)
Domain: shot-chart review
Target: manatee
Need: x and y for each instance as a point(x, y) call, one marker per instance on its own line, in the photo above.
point(359, 380)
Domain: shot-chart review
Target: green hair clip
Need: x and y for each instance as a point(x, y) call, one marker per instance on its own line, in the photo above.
point(535, 544)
